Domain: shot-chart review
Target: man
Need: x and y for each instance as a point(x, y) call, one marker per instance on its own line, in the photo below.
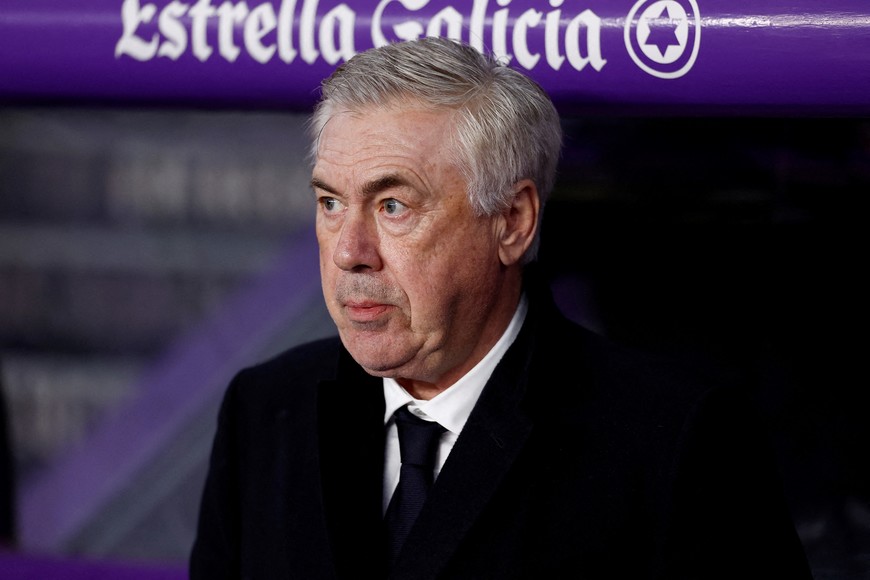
point(562, 456)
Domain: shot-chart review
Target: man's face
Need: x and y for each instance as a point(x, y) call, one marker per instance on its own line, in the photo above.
point(410, 275)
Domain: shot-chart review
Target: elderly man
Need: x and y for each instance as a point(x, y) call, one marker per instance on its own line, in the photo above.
point(459, 426)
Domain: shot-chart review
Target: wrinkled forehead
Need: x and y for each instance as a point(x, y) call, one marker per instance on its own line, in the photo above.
point(405, 123)
point(330, 109)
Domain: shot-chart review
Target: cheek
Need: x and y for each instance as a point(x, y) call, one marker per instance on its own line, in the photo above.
point(325, 259)
point(453, 270)
point(328, 270)
point(326, 241)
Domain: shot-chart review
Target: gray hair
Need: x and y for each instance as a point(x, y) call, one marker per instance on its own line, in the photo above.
point(507, 127)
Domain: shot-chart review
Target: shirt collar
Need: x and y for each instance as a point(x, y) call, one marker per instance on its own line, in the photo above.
point(453, 405)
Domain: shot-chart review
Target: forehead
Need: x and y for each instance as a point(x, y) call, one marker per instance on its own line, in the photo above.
point(412, 134)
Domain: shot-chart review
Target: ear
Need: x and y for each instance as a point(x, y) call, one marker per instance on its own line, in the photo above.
point(519, 222)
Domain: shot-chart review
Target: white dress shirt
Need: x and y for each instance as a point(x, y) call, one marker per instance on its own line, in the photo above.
point(451, 407)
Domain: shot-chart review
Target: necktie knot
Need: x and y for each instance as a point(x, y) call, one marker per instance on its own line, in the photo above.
point(418, 438)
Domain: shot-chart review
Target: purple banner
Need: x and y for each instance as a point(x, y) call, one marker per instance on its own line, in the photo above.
point(715, 56)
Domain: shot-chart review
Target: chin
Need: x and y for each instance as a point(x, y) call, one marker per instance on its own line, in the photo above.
point(376, 366)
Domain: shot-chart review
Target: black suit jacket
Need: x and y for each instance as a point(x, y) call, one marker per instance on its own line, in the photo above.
point(580, 460)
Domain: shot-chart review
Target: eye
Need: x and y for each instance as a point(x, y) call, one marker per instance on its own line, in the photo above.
point(330, 204)
point(394, 207)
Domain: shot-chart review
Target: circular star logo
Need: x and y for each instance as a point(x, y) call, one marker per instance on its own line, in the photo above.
point(663, 36)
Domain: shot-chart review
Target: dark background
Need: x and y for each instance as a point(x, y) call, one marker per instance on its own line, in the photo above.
point(738, 244)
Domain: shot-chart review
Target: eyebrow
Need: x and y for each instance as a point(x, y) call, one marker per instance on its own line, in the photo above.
point(318, 184)
point(378, 185)
point(384, 183)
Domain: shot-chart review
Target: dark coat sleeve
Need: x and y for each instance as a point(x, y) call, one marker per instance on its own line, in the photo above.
point(215, 553)
point(262, 512)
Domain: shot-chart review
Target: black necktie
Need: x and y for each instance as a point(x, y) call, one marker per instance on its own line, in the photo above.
point(418, 444)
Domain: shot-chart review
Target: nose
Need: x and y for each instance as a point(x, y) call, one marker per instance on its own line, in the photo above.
point(358, 243)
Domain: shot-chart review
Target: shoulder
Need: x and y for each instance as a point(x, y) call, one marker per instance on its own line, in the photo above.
point(657, 389)
point(312, 359)
point(643, 396)
point(287, 376)
point(593, 365)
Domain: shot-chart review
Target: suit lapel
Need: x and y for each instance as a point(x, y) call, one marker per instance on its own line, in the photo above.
point(351, 435)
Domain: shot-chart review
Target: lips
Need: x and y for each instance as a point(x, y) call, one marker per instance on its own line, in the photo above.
point(365, 311)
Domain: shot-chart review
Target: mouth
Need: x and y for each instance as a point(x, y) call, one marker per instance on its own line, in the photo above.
point(365, 311)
